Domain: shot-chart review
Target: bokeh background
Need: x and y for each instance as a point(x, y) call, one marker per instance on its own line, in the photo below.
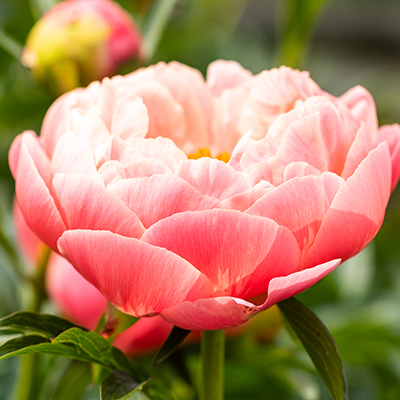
point(342, 43)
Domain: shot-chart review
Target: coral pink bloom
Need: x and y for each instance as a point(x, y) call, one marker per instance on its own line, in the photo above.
point(81, 302)
point(117, 183)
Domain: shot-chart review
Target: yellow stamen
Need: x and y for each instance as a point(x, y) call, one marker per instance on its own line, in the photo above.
point(225, 157)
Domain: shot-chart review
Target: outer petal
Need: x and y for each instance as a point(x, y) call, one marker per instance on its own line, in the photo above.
point(391, 135)
point(224, 312)
point(85, 204)
point(272, 93)
point(161, 196)
point(73, 295)
point(33, 196)
point(357, 211)
point(138, 278)
point(300, 204)
point(239, 253)
point(212, 177)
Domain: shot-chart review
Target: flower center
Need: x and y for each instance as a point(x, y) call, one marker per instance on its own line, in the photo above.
point(225, 157)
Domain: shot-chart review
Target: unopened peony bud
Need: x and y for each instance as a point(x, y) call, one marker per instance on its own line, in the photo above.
point(79, 41)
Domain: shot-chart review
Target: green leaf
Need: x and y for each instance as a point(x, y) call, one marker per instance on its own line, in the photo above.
point(119, 385)
point(20, 343)
point(79, 345)
point(10, 331)
point(319, 344)
point(100, 351)
point(175, 338)
point(46, 324)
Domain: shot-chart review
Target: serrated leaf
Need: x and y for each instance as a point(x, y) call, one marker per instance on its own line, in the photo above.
point(319, 344)
point(46, 324)
point(175, 338)
point(119, 385)
point(79, 345)
point(100, 351)
point(20, 343)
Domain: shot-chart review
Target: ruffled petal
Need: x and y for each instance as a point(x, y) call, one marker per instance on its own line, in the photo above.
point(212, 177)
point(84, 204)
point(138, 278)
point(72, 155)
point(222, 75)
point(272, 93)
point(160, 196)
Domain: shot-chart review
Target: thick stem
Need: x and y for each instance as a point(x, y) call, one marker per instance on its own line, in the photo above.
point(212, 365)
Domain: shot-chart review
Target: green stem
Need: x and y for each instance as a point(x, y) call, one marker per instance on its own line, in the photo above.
point(27, 381)
point(212, 365)
point(156, 25)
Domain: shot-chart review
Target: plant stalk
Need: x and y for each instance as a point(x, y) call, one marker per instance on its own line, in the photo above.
point(212, 365)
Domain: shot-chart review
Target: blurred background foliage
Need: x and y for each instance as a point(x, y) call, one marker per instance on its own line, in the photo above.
point(342, 43)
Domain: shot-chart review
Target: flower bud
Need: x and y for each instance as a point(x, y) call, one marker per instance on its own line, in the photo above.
point(78, 41)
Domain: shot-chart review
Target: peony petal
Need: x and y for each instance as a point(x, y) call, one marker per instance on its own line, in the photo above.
point(299, 169)
point(166, 115)
point(303, 142)
point(138, 278)
point(362, 106)
point(160, 196)
point(272, 93)
point(212, 177)
point(72, 155)
point(300, 204)
point(57, 120)
point(222, 75)
point(225, 312)
point(391, 135)
point(363, 143)
point(281, 288)
point(245, 200)
point(211, 313)
point(356, 212)
point(239, 253)
point(33, 196)
point(84, 204)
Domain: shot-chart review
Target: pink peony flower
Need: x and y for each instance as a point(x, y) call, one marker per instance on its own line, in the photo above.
point(78, 41)
point(118, 183)
point(81, 302)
